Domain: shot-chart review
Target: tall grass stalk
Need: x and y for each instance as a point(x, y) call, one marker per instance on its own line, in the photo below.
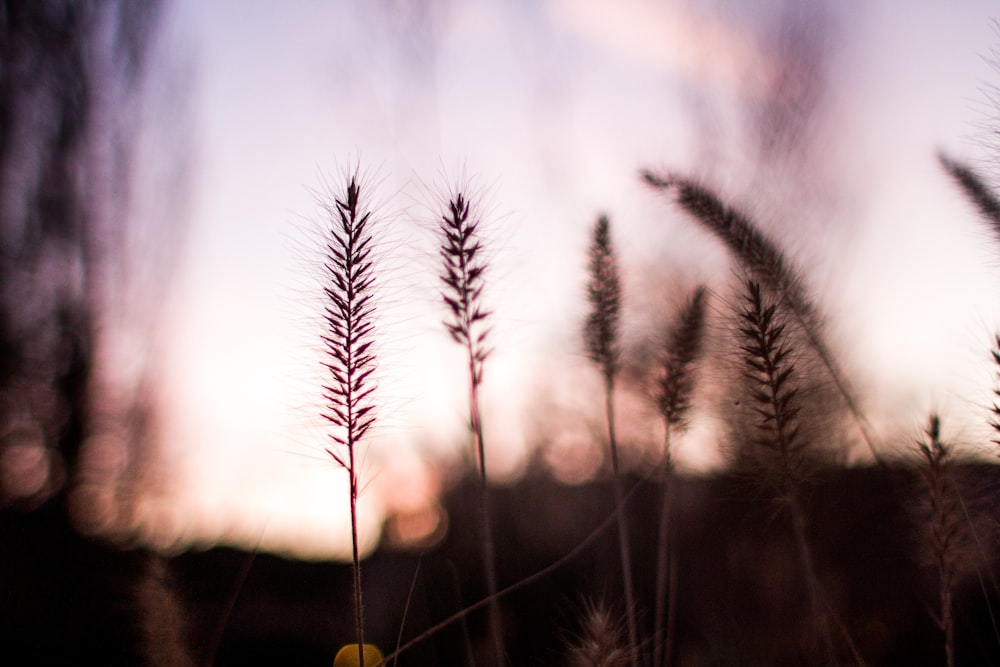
point(601, 337)
point(764, 259)
point(945, 518)
point(776, 398)
point(348, 314)
point(463, 275)
point(673, 398)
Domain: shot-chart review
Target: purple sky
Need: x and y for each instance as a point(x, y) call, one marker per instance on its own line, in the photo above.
point(549, 109)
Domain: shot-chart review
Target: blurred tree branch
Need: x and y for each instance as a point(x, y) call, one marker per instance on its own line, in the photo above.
point(71, 75)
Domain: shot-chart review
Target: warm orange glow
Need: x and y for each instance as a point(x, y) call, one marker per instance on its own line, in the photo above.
point(348, 656)
point(24, 468)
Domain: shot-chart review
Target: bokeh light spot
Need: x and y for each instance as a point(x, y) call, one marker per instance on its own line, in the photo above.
point(418, 529)
point(24, 466)
point(348, 656)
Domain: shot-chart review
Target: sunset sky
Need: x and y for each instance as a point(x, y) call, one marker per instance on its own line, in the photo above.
point(549, 110)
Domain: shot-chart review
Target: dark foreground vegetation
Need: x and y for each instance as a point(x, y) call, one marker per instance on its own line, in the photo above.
point(740, 598)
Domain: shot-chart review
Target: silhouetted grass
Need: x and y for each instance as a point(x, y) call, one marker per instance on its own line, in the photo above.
point(944, 519)
point(463, 272)
point(349, 316)
point(601, 337)
point(771, 380)
point(764, 260)
point(674, 387)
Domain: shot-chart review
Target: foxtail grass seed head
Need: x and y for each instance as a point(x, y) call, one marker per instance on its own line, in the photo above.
point(604, 295)
point(464, 268)
point(763, 259)
point(683, 345)
point(463, 276)
point(758, 254)
point(770, 379)
point(349, 315)
point(945, 512)
point(601, 642)
point(945, 521)
point(975, 189)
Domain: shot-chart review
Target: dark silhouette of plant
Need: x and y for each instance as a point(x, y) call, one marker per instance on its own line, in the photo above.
point(349, 317)
point(463, 275)
point(767, 263)
point(975, 189)
point(673, 398)
point(945, 518)
point(776, 402)
point(601, 337)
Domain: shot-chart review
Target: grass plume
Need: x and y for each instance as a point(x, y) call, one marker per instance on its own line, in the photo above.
point(601, 337)
point(975, 189)
point(348, 315)
point(943, 526)
point(770, 379)
point(776, 397)
point(683, 345)
point(673, 398)
point(763, 258)
point(601, 641)
point(463, 270)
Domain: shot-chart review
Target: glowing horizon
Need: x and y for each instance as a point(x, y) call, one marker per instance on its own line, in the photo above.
point(554, 108)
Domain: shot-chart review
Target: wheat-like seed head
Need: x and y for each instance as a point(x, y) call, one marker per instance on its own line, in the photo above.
point(463, 275)
point(763, 259)
point(975, 188)
point(770, 376)
point(601, 642)
point(945, 513)
point(348, 315)
point(683, 344)
point(759, 254)
point(604, 295)
point(945, 521)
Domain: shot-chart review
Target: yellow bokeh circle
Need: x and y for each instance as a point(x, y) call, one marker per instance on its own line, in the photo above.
point(348, 656)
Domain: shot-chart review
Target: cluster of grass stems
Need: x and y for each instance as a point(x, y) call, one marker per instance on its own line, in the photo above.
point(775, 328)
